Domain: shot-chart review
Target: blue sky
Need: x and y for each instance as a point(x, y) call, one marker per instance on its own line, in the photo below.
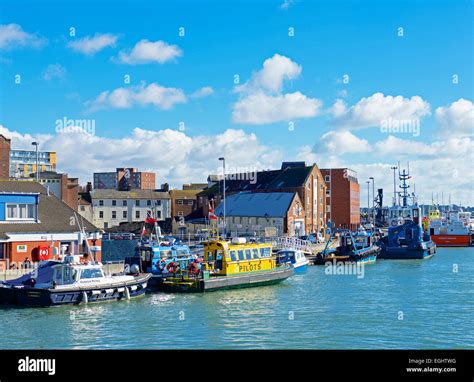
point(331, 39)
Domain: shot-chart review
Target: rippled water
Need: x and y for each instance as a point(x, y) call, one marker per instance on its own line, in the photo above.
point(310, 310)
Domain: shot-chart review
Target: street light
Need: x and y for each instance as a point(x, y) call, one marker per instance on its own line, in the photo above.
point(368, 197)
point(37, 160)
point(373, 199)
point(223, 193)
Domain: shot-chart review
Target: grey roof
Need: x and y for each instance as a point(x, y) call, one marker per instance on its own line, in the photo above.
point(54, 215)
point(271, 204)
point(133, 194)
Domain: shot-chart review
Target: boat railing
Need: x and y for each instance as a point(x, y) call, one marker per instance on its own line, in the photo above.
point(294, 243)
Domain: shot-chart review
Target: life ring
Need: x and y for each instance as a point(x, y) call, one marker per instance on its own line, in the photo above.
point(162, 265)
point(193, 268)
point(173, 267)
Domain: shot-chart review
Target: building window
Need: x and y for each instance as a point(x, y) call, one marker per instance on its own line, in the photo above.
point(83, 208)
point(137, 203)
point(158, 214)
point(328, 193)
point(21, 211)
point(328, 208)
point(327, 178)
point(124, 214)
point(180, 213)
point(101, 214)
point(124, 203)
point(114, 202)
point(137, 214)
point(190, 202)
point(158, 202)
point(148, 202)
point(180, 202)
point(321, 200)
point(106, 225)
point(101, 203)
point(114, 214)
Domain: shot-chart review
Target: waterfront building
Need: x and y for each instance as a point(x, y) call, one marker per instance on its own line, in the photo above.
point(264, 214)
point(306, 181)
point(124, 179)
point(35, 224)
point(23, 162)
point(5, 146)
point(342, 197)
point(183, 204)
point(112, 207)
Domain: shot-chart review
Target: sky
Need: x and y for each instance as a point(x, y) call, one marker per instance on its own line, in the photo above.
point(170, 86)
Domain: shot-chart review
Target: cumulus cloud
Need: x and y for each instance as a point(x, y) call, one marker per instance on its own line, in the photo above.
point(145, 52)
point(374, 110)
point(13, 36)
point(456, 119)
point(202, 92)
point(181, 158)
point(341, 142)
point(54, 71)
point(286, 4)
point(261, 100)
point(90, 45)
point(124, 98)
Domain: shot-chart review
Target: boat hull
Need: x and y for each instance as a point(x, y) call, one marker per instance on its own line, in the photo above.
point(36, 297)
point(452, 240)
point(227, 282)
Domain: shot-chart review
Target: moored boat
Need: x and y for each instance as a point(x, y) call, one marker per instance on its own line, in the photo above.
point(70, 282)
point(354, 247)
point(452, 231)
point(228, 265)
point(294, 257)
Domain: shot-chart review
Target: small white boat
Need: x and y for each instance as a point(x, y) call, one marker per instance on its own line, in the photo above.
point(294, 257)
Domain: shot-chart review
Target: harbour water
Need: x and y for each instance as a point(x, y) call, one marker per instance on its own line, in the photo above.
point(417, 304)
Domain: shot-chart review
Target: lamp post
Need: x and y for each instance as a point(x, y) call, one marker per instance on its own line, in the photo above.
point(394, 186)
point(223, 193)
point(37, 160)
point(368, 198)
point(373, 199)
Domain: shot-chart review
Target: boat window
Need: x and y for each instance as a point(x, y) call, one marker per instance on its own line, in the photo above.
point(69, 275)
point(255, 253)
point(265, 252)
point(233, 256)
point(248, 254)
point(241, 254)
point(182, 252)
point(91, 273)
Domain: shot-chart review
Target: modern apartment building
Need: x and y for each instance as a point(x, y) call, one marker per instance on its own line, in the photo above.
point(124, 179)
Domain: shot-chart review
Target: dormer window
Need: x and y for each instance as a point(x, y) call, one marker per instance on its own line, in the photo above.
point(21, 211)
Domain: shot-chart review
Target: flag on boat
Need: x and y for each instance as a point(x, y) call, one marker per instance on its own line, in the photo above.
point(143, 233)
point(212, 216)
point(149, 217)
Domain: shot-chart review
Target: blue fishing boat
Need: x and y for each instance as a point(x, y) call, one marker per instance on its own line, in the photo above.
point(354, 247)
point(292, 256)
point(161, 259)
point(406, 241)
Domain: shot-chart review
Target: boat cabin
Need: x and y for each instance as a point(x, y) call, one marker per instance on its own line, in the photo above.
point(223, 258)
point(152, 257)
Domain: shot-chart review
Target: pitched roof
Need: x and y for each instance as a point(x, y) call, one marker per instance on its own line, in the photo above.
point(133, 194)
point(184, 194)
point(291, 177)
point(54, 216)
point(256, 204)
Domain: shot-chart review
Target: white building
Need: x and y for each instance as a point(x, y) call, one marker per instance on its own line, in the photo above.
point(111, 207)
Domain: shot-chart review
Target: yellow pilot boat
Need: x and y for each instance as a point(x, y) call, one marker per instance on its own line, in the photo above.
point(226, 265)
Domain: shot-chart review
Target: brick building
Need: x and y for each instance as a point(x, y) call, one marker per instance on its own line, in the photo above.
point(124, 179)
point(342, 197)
point(5, 147)
point(306, 181)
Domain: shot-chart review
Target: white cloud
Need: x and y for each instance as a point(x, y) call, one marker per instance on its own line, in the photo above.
point(90, 45)
point(145, 52)
point(176, 157)
point(372, 111)
point(286, 4)
point(124, 98)
point(260, 108)
point(456, 119)
point(203, 92)
point(13, 36)
point(261, 98)
point(54, 71)
point(341, 142)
